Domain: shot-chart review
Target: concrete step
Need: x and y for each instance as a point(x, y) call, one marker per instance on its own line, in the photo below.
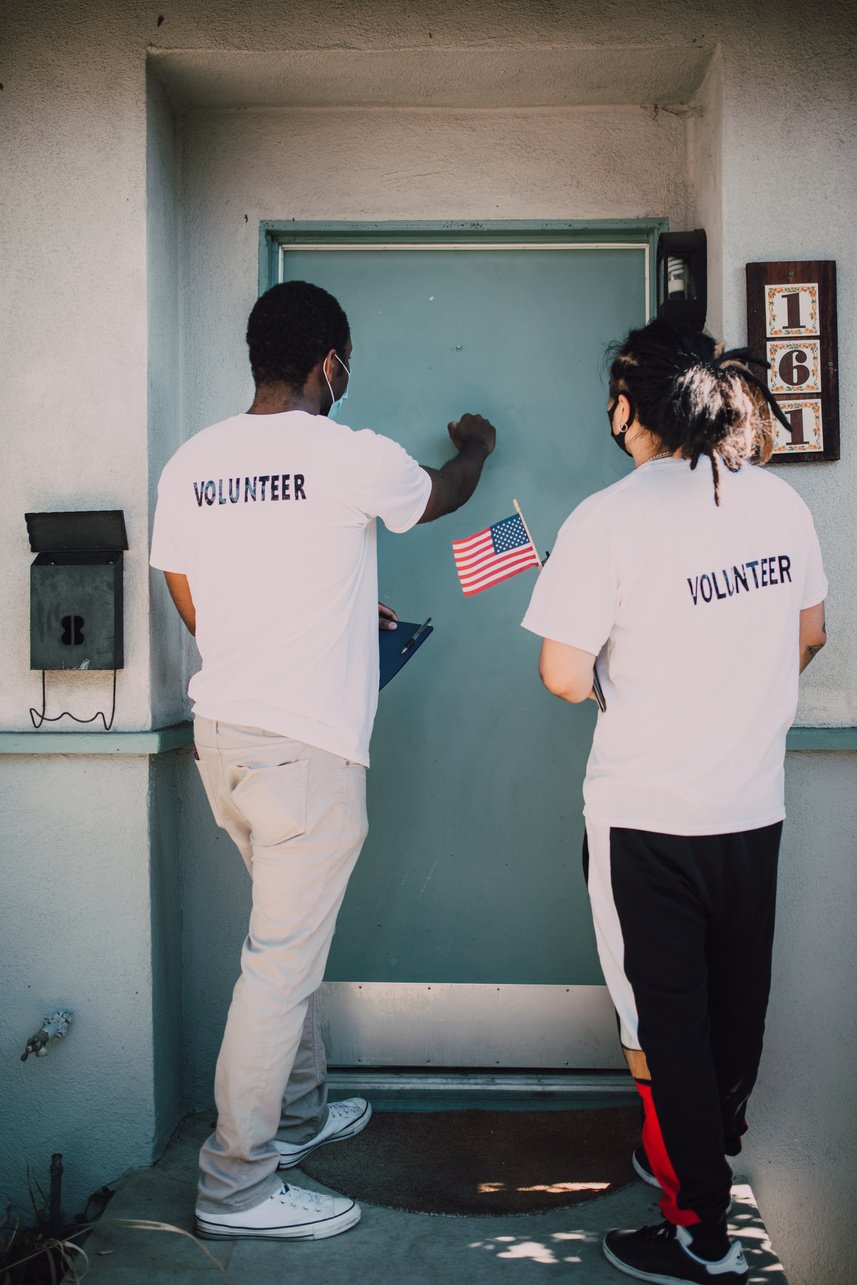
point(388, 1247)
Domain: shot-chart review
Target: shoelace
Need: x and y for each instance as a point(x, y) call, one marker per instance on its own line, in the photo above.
point(308, 1200)
point(664, 1231)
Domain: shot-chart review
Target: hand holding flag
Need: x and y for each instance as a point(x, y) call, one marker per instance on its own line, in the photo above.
point(497, 553)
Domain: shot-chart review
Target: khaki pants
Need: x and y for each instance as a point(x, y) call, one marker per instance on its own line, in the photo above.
point(298, 817)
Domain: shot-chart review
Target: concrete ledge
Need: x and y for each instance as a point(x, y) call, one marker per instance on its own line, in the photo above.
point(160, 740)
point(822, 738)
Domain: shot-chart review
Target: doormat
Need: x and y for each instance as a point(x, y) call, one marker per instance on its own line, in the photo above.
point(483, 1162)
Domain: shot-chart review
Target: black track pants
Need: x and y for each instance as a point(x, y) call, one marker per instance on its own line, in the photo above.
point(684, 929)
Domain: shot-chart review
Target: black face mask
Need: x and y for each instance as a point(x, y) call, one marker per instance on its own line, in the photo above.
point(619, 438)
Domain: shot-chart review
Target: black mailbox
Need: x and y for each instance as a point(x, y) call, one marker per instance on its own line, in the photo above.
point(76, 589)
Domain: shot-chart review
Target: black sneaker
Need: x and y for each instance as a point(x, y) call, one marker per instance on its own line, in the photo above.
point(662, 1254)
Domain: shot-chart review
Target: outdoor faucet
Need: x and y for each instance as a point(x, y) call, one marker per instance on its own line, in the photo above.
point(51, 1028)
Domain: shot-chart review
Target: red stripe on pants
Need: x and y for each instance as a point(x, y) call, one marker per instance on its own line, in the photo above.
point(662, 1168)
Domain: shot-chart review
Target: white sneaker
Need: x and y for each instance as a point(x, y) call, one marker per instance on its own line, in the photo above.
point(292, 1213)
point(344, 1120)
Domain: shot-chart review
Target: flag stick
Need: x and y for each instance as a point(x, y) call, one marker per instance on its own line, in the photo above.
point(527, 529)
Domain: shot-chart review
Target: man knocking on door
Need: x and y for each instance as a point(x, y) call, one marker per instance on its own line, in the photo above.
point(265, 530)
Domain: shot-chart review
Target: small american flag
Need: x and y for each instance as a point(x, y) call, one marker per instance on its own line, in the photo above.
point(495, 554)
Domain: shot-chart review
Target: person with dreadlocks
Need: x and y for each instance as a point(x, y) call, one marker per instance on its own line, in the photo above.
point(696, 582)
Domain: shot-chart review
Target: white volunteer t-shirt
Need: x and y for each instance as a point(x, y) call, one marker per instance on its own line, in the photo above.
point(693, 613)
point(272, 520)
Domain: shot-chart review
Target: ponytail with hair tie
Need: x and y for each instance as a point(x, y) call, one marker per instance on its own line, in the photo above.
point(740, 359)
point(697, 397)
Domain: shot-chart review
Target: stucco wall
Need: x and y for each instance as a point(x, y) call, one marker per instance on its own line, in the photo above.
point(800, 1149)
point(83, 914)
point(390, 164)
point(76, 931)
point(786, 98)
point(705, 167)
point(165, 925)
point(73, 323)
point(166, 431)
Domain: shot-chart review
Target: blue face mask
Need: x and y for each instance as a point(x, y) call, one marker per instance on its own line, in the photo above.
point(336, 403)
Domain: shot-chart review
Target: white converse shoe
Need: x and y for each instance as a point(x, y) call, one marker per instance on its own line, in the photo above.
point(292, 1213)
point(344, 1120)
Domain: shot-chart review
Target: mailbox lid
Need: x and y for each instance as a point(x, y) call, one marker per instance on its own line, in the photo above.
point(100, 529)
point(78, 558)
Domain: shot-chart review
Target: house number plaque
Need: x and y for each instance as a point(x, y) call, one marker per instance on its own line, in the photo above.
point(791, 320)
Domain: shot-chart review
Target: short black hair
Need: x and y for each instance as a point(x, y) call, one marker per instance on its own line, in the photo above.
point(291, 328)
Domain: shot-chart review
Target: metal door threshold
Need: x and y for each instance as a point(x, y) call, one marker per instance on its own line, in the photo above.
point(454, 1090)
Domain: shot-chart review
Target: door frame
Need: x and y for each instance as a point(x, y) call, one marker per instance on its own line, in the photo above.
point(418, 1024)
point(277, 235)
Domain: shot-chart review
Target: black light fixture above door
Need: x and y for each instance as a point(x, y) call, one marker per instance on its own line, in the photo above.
point(682, 272)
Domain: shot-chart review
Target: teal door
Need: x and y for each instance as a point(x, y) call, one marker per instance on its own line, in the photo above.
point(465, 937)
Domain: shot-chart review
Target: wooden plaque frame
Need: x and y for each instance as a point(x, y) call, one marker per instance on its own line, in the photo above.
point(791, 319)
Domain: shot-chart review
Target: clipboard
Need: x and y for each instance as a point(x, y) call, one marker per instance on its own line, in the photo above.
point(397, 646)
